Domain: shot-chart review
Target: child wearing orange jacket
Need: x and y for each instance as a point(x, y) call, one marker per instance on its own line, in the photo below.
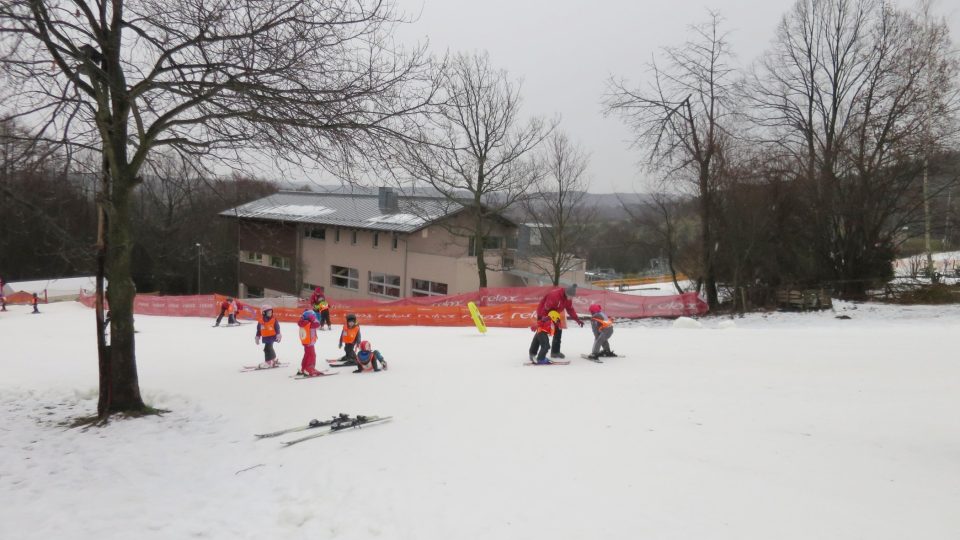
point(268, 331)
point(543, 329)
point(349, 340)
point(308, 338)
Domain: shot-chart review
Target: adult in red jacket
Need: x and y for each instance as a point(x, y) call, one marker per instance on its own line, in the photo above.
point(558, 300)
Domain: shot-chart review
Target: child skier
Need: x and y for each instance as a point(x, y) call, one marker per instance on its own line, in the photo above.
point(308, 337)
point(322, 307)
point(368, 359)
point(224, 306)
point(232, 312)
point(349, 338)
point(543, 329)
point(602, 330)
point(36, 300)
point(268, 329)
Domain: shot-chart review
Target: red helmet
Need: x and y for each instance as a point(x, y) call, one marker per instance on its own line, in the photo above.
point(365, 346)
point(595, 308)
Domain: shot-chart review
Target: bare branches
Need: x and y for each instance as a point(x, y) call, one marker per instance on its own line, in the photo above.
point(681, 120)
point(476, 149)
point(557, 211)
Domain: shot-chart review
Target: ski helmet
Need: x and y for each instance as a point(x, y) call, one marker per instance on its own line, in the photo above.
point(554, 316)
point(595, 308)
point(266, 307)
point(365, 346)
point(308, 315)
point(351, 318)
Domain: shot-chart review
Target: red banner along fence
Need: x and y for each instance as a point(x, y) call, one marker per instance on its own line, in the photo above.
point(501, 307)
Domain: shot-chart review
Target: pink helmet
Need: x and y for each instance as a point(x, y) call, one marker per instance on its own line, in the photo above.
point(595, 308)
point(365, 346)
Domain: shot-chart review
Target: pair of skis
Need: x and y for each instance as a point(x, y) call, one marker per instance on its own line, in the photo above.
point(567, 362)
point(258, 368)
point(341, 422)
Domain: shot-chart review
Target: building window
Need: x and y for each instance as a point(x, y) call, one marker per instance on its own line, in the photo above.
point(535, 238)
point(252, 257)
point(344, 277)
point(336, 235)
point(318, 233)
point(282, 263)
point(394, 242)
point(254, 292)
point(309, 286)
point(489, 242)
point(376, 239)
point(353, 238)
point(384, 284)
point(422, 287)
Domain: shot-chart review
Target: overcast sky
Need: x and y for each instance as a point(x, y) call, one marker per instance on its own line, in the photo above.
point(564, 51)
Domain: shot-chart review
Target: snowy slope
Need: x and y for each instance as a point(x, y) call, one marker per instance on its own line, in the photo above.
point(789, 426)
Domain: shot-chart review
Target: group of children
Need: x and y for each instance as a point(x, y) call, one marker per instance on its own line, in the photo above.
point(547, 326)
point(356, 352)
point(361, 353)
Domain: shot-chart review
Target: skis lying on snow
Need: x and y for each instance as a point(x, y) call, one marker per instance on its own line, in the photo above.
point(339, 362)
point(313, 424)
point(258, 368)
point(324, 373)
point(601, 356)
point(228, 325)
point(550, 363)
point(339, 426)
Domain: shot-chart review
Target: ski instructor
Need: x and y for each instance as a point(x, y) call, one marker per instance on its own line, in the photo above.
point(558, 300)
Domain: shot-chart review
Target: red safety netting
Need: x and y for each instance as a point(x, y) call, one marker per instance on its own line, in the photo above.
point(500, 307)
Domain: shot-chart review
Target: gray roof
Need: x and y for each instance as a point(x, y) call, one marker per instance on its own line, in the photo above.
point(352, 210)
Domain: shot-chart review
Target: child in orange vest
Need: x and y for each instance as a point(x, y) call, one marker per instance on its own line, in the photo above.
point(349, 339)
point(268, 330)
point(602, 331)
point(543, 329)
point(308, 337)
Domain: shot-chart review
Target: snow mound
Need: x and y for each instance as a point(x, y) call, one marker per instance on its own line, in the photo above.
point(725, 325)
point(686, 322)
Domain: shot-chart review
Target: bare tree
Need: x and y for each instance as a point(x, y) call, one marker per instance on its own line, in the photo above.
point(479, 151)
point(680, 120)
point(294, 79)
point(557, 209)
point(847, 91)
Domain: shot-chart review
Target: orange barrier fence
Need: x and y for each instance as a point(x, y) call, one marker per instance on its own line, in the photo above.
point(22, 298)
point(629, 282)
point(503, 315)
point(501, 307)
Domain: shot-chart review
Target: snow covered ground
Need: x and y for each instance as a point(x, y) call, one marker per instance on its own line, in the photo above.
point(780, 426)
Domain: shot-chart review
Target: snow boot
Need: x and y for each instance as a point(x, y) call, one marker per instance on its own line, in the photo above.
point(592, 356)
point(557, 355)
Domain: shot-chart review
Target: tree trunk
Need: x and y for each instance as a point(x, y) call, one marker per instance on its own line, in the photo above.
point(478, 244)
point(124, 388)
point(709, 273)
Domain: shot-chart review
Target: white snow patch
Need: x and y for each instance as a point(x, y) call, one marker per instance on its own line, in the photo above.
point(687, 322)
point(726, 325)
point(398, 219)
point(300, 210)
point(719, 435)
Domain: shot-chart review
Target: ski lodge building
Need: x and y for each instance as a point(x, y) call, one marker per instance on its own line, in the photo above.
point(376, 246)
